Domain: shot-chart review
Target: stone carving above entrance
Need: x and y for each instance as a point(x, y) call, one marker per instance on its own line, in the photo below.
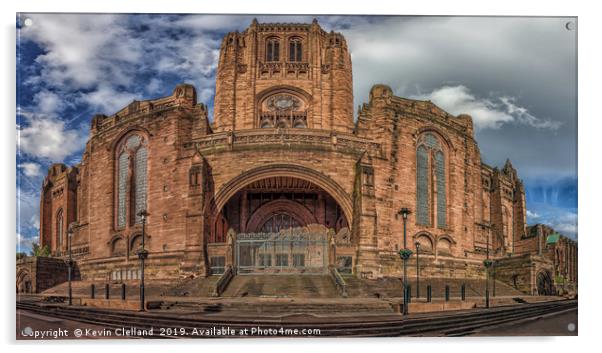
point(283, 110)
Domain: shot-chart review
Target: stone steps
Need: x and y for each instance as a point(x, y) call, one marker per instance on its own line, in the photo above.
point(392, 287)
point(306, 286)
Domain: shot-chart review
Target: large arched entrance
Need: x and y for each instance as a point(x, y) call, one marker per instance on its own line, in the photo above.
point(281, 225)
point(24, 283)
point(544, 283)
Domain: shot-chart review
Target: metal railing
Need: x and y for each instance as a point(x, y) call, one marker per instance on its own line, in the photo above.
point(338, 281)
point(223, 281)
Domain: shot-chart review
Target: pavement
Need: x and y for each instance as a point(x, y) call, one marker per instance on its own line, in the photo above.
point(556, 324)
point(31, 326)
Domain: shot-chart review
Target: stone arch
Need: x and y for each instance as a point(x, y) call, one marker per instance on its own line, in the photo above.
point(444, 245)
point(295, 116)
point(426, 240)
point(135, 242)
point(125, 133)
point(24, 281)
point(295, 209)
point(544, 283)
point(118, 245)
point(282, 89)
point(236, 184)
point(437, 131)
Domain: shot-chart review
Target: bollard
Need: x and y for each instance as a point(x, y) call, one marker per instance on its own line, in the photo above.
point(446, 293)
point(429, 293)
point(92, 290)
point(409, 293)
point(107, 291)
point(463, 291)
point(123, 291)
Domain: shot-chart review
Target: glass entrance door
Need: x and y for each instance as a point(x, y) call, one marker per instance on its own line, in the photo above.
point(284, 252)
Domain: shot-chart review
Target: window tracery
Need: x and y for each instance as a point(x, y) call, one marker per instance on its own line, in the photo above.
point(431, 183)
point(132, 179)
point(272, 50)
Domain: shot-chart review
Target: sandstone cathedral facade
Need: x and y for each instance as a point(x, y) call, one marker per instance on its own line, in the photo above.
point(286, 180)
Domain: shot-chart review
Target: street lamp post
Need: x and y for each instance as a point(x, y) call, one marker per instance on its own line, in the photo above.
point(405, 254)
point(70, 232)
point(487, 263)
point(142, 255)
point(417, 269)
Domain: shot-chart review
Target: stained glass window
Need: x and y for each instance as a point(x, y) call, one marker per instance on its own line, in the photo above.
point(441, 196)
point(422, 209)
point(430, 165)
point(140, 181)
point(431, 141)
point(295, 52)
point(133, 142)
point(122, 188)
point(272, 50)
point(59, 229)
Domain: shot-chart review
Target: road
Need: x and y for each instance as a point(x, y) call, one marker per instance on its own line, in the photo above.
point(557, 324)
point(29, 325)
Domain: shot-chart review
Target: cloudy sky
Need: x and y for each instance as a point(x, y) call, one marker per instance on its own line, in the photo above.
point(515, 76)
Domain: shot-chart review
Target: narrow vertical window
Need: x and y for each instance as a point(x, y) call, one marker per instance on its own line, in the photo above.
point(431, 183)
point(140, 182)
point(295, 50)
point(422, 207)
point(441, 196)
point(59, 230)
point(131, 180)
point(122, 175)
point(273, 50)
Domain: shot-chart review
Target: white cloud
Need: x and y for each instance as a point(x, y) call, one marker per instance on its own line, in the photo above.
point(81, 49)
point(523, 116)
point(24, 242)
point(566, 228)
point(533, 215)
point(48, 102)
point(30, 169)
point(106, 99)
point(28, 203)
point(34, 221)
point(491, 112)
point(48, 138)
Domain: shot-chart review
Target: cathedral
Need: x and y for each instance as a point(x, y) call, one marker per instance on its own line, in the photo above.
point(286, 180)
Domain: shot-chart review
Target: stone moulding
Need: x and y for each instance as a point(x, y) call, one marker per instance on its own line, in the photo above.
point(287, 137)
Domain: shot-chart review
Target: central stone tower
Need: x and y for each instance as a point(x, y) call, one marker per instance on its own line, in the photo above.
point(289, 75)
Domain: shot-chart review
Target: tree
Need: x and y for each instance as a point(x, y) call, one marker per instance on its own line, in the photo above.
point(41, 251)
point(21, 255)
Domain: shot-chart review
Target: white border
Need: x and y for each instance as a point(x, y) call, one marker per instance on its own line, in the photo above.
point(589, 166)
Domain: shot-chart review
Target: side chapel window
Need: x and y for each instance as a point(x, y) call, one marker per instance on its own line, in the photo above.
point(272, 52)
point(295, 50)
point(59, 229)
point(131, 179)
point(430, 182)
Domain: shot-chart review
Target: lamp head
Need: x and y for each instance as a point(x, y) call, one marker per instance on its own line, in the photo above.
point(404, 212)
point(71, 228)
point(143, 214)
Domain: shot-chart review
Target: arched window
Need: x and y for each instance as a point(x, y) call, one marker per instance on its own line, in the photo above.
point(136, 244)
point(283, 110)
point(131, 180)
point(431, 184)
point(272, 50)
point(59, 229)
point(140, 182)
point(505, 219)
point(118, 247)
point(295, 50)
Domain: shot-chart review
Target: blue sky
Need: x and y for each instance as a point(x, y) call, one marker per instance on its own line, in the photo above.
point(515, 76)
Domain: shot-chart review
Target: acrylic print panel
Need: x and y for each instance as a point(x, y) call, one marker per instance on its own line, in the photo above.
point(200, 176)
